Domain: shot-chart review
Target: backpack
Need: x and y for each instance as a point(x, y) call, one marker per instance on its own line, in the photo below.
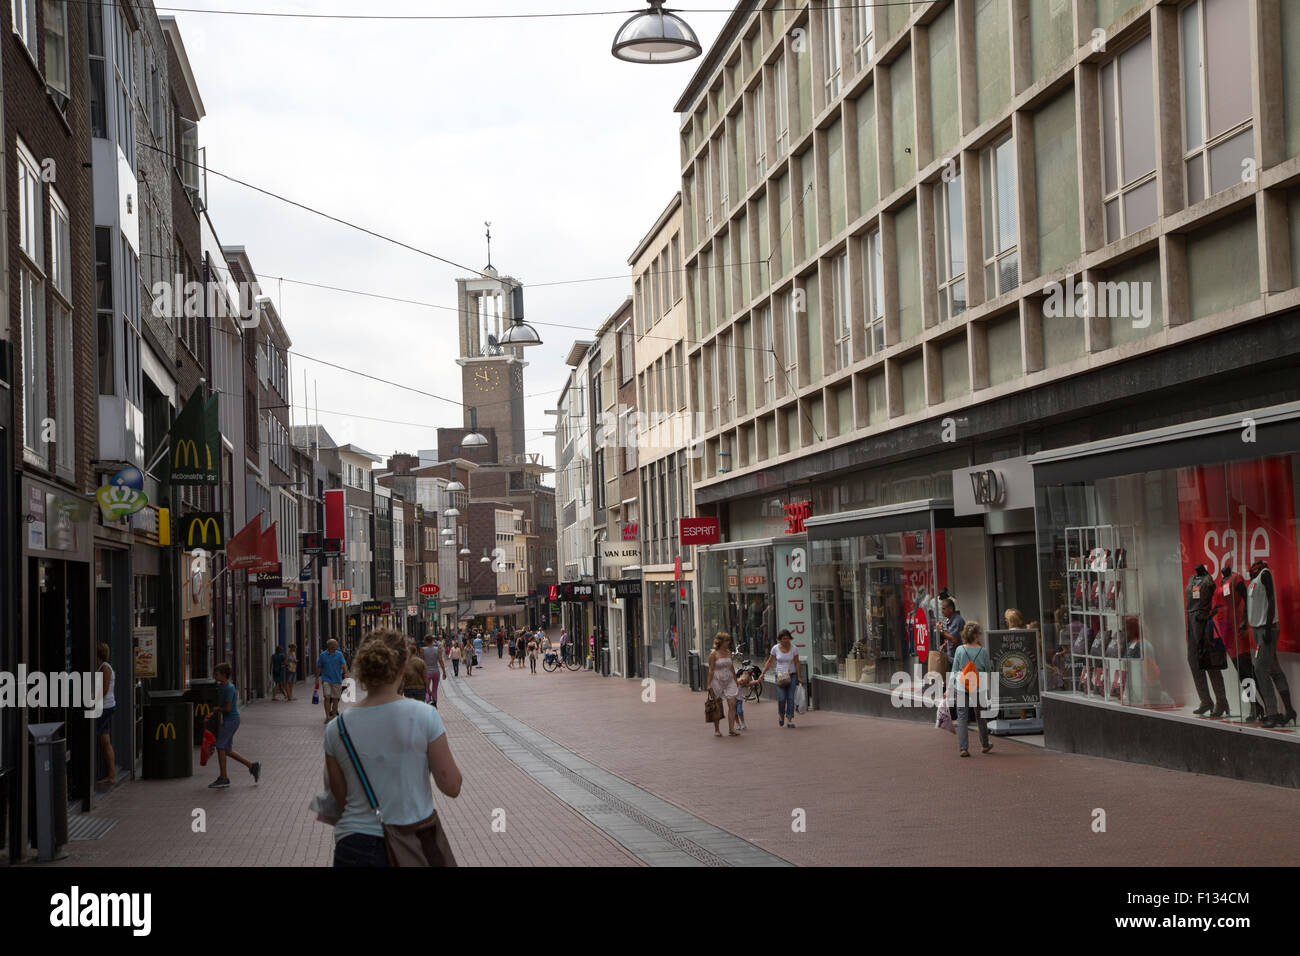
point(969, 678)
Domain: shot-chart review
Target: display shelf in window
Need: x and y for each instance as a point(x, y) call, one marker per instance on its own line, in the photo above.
point(1103, 629)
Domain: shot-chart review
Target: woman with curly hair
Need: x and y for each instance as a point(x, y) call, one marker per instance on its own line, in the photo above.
point(399, 742)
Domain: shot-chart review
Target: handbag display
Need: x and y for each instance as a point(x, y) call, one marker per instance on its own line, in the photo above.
point(712, 708)
point(423, 843)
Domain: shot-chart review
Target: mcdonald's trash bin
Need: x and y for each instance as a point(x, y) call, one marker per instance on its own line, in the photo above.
point(693, 669)
point(204, 695)
point(48, 790)
point(168, 736)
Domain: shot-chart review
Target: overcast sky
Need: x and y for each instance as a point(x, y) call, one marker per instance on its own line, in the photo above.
point(422, 131)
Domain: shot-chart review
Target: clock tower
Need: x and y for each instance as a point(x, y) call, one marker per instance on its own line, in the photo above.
point(492, 376)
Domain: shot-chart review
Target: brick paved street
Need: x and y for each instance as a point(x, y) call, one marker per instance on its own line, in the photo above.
point(880, 791)
point(875, 791)
point(270, 825)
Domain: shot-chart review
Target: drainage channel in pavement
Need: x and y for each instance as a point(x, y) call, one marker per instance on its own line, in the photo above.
point(653, 830)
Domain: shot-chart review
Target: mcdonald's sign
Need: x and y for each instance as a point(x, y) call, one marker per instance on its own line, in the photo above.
point(196, 443)
point(163, 731)
point(203, 529)
point(203, 709)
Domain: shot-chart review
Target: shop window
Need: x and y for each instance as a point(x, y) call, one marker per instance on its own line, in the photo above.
point(1136, 569)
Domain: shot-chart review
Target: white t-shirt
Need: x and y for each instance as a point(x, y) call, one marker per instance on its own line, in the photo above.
point(392, 741)
point(784, 659)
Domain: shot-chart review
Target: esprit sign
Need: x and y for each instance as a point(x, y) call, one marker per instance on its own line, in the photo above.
point(796, 513)
point(699, 531)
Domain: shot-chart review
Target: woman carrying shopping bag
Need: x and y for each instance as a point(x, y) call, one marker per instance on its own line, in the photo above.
point(378, 760)
point(786, 658)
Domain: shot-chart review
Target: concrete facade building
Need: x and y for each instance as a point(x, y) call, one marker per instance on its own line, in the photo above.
point(949, 239)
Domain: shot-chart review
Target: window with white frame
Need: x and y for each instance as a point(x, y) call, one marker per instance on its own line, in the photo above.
point(723, 156)
point(863, 47)
point(950, 254)
point(35, 396)
point(728, 348)
point(830, 31)
point(781, 107)
point(680, 366)
point(55, 44)
point(30, 238)
point(715, 385)
point(709, 159)
point(60, 309)
point(24, 21)
point(625, 355)
point(760, 130)
point(875, 283)
point(123, 63)
point(1217, 95)
point(841, 322)
point(1128, 135)
point(677, 266)
point(1001, 224)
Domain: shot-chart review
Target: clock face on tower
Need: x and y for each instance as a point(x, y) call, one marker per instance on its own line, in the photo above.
point(486, 379)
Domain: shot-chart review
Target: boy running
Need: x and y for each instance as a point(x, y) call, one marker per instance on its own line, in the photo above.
point(228, 707)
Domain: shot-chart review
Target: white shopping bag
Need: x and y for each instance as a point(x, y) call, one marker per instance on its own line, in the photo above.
point(943, 718)
point(800, 699)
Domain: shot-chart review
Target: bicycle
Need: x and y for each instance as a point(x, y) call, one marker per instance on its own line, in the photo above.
point(553, 662)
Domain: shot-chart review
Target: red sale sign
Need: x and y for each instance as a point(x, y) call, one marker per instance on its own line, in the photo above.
point(1238, 514)
point(921, 634)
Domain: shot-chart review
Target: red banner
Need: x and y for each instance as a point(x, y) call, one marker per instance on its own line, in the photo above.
point(1238, 514)
point(242, 552)
point(334, 515)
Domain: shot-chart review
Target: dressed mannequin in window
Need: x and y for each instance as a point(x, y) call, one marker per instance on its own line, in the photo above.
point(1231, 627)
point(1200, 656)
point(1261, 612)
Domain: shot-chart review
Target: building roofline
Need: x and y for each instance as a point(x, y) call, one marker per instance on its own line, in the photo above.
point(713, 58)
point(577, 351)
point(673, 205)
point(173, 31)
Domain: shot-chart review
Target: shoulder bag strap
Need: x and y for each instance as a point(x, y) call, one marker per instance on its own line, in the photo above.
point(356, 764)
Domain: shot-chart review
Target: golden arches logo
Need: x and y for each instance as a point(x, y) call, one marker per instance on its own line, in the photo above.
point(203, 525)
point(189, 449)
point(164, 731)
point(203, 710)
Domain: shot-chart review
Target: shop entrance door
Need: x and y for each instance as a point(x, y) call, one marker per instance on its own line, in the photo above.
point(1015, 578)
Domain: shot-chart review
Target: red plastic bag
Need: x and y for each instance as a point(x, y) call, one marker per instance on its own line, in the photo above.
point(209, 744)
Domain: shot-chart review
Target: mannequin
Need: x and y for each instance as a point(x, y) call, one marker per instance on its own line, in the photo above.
point(1261, 612)
point(1200, 597)
point(1231, 627)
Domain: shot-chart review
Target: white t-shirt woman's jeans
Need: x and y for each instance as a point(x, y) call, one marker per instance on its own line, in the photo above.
point(392, 741)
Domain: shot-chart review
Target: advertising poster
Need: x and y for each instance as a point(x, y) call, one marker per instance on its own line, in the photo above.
point(1241, 513)
point(792, 609)
point(1015, 661)
point(146, 652)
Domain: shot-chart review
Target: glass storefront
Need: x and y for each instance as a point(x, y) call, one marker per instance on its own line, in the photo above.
point(1154, 588)
point(668, 610)
point(866, 591)
point(736, 597)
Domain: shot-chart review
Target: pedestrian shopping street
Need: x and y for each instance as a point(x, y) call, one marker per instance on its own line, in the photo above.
point(583, 771)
